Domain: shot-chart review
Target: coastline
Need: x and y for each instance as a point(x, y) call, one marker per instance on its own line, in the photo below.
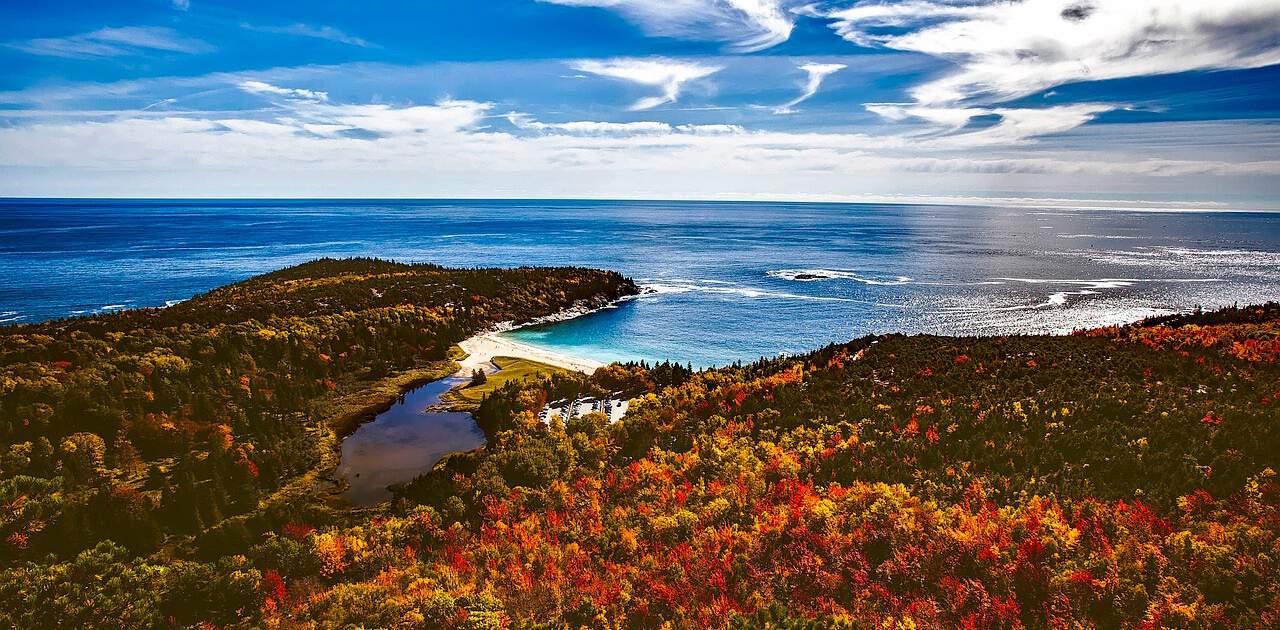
point(483, 347)
point(365, 405)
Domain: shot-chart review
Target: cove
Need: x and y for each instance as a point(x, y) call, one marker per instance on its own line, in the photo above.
point(404, 442)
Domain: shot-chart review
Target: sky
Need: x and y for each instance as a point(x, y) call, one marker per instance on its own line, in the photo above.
point(1133, 103)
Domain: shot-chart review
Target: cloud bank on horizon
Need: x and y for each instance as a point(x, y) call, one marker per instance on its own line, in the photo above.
point(1157, 101)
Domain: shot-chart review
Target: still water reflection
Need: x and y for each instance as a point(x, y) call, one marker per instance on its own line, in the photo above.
point(404, 442)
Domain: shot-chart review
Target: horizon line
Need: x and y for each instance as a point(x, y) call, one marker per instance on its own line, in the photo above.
point(1059, 203)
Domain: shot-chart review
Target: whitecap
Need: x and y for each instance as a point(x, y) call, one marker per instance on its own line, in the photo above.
point(810, 275)
point(675, 286)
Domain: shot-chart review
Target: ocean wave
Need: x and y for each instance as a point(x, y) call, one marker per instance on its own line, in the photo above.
point(1059, 299)
point(810, 275)
point(1101, 283)
point(10, 316)
point(656, 289)
point(1185, 257)
point(973, 283)
point(1103, 236)
point(168, 303)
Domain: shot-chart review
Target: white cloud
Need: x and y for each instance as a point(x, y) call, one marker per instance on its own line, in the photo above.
point(746, 25)
point(310, 112)
point(182, 5)
point(1006, 50)
point(445, 150)
point(445, 117)
point(816, 72)
point(617, 129)
point(450, 137)
point(667, 74)
point(317, 32)
point(70, 141)
point(949, 117)
point(260, 87)
point(588, 128)
point(114, 42)
point(1016, 125)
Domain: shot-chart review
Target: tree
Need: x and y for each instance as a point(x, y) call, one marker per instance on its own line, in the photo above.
point(83, 457)
point(125, 458)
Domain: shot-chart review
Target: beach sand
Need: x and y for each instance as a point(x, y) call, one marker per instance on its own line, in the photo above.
point(482, 348)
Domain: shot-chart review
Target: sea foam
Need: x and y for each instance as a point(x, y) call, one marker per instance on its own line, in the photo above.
point(811, 275)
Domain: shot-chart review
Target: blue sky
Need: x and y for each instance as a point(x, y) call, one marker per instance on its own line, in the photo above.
point(1140, 102)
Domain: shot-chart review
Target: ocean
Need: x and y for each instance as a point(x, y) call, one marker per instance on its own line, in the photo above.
point(729, 281)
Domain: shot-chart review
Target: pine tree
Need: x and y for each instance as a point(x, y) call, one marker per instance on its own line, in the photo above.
point(124, 457)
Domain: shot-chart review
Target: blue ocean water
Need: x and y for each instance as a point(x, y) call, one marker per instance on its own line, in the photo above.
point(731, 281)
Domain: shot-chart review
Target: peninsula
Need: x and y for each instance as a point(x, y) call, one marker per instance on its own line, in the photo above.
point(171, 468)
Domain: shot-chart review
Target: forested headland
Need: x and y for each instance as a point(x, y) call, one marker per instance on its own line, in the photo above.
point(188, 431)
point(1117, 477)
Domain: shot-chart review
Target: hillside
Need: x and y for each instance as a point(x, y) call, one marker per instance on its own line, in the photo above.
point(1117, 477)
point(155, 427)
point(1120, 477)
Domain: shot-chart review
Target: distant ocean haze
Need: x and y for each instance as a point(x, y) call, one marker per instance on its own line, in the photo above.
point(727, 281)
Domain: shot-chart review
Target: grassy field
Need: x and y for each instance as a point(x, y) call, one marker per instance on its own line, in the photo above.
point(509, 369)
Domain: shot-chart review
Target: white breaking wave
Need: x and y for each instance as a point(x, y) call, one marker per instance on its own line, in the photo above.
point(719, 287)
point(811, 275)
point(1101, 283)
point(1105, 236)
point(1063, 298)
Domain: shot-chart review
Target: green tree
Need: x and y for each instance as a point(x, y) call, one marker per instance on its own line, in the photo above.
point(83, 458)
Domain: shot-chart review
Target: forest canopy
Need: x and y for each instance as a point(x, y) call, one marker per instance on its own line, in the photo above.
point(1117, 477)
point(145, 424)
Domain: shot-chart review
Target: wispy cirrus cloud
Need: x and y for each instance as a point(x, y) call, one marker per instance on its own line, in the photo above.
point(817, 72)
point(1020, 124)
point(745, 25)
point(1000, 50)
point(267, 89)
point(617, 129)
point(449, 143)
point(1007, 50)
point(1016, 125)
point(114, 42)
point(319, 31)
point(667, 74)
point(309, 111)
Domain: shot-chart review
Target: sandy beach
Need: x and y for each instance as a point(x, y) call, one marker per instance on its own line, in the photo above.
point(482, 348)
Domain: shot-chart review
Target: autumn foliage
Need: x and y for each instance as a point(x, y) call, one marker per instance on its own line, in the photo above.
point(1123, 477)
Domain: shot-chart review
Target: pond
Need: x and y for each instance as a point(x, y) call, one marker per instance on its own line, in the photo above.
point(404, 442)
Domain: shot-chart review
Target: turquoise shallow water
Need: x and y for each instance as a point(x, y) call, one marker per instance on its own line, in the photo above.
point(731, 281)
